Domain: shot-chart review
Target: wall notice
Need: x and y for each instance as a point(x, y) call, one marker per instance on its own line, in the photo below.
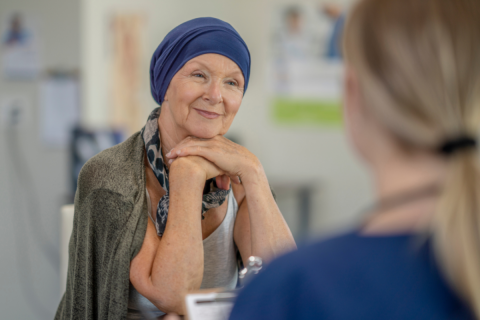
point(306, 64)
point(19, 47)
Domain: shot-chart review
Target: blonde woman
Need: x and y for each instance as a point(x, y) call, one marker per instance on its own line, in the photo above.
point(412, 106)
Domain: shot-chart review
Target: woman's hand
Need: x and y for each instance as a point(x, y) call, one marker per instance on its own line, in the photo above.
point(235, 161)
point(260, 226)
point(197, 165)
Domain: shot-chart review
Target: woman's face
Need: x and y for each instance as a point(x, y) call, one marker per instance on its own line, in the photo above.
point(204, 96)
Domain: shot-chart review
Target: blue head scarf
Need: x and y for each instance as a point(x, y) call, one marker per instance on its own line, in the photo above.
point(189, 40)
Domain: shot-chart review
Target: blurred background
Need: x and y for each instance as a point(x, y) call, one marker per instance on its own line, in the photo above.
point(74, 81)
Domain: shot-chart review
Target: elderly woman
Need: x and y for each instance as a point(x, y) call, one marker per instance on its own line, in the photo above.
point(123, 264)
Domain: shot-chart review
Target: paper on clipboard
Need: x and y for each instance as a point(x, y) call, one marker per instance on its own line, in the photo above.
point(209, 306)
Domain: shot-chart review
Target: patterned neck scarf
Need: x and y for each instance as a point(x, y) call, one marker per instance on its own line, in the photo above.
point(212, 196)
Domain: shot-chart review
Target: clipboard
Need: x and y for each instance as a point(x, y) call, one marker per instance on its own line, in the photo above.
point(215, 304)
point(209, 305)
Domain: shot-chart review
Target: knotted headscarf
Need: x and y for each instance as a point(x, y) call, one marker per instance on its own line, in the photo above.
point(188, 40)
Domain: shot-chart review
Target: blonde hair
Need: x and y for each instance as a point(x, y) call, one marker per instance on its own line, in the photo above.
point(418, 66)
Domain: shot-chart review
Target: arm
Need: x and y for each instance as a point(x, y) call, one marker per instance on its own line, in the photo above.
point(167, 268)
point(260, 228)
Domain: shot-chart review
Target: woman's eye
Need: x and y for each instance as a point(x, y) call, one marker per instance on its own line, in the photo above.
point(232, 83)
point(199, 75)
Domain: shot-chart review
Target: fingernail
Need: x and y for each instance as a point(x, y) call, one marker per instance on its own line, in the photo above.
point(179, 151)
point(170, 161)
point(168, 154)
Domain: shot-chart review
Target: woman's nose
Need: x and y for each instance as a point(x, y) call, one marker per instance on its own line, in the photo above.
point(213, 93)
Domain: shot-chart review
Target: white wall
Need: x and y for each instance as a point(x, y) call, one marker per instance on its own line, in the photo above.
point(318, 154)
point(58, 27)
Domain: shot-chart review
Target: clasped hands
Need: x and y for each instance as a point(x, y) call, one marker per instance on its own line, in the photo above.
point(216, 157)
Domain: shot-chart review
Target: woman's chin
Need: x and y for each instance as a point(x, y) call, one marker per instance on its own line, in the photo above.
point(204, 132)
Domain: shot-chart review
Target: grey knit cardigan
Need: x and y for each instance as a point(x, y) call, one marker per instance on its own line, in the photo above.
point(108, 231)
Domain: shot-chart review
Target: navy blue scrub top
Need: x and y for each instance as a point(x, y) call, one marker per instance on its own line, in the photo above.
point(353, 277)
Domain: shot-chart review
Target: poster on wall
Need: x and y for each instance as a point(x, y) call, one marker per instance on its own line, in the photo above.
point(129, 89)
point(306, 64)
point(19, 47)
point(59, 110)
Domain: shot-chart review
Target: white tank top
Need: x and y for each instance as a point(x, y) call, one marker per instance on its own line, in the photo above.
point(219, 270)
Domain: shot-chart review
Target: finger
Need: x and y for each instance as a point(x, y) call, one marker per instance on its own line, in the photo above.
point(211, 154)
point(236, 179)
point(184, 148)
point(223, 182)
point(218, 180)
point(178, 150)
point(187, 144)
point(194, 141)
point(226, 182)
point(173, 152)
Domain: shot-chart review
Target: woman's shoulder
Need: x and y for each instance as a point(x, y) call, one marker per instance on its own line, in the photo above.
point(354, 270)
point(308, 264)
point(310, 279)
point(287, 284)
point(118, 169)
point(350, 255)
point(316, 257)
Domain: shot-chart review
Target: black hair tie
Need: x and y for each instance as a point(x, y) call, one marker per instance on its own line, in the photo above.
point(455, 145)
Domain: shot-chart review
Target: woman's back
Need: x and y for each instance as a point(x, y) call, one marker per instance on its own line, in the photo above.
point(353, 277)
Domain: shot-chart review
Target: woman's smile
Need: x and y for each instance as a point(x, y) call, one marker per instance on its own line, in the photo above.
point(207, 114)
point(203, 97)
